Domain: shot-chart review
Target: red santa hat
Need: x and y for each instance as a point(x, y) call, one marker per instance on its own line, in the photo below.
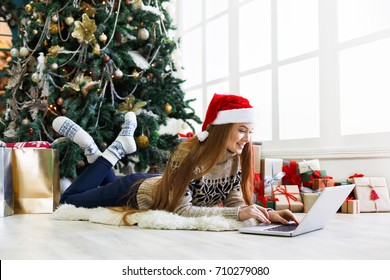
point(227, 108)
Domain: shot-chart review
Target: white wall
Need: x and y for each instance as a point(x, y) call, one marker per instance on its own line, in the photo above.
point(341, 155)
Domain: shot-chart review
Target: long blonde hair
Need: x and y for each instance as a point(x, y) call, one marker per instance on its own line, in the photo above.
point(204, 155)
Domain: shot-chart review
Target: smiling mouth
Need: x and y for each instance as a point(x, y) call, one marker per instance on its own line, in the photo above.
point(241, 146)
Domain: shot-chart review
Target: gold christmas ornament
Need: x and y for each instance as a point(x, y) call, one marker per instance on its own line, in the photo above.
point(28, 8)
point(40, 20)
point(35, 78)
point(142, 141)
point(84, 30)
point(96, 49)
point(26, 121)
point(168, 108)
point(35, 32)
point(53, 29)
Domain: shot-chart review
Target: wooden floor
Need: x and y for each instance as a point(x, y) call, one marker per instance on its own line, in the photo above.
point(365, 236)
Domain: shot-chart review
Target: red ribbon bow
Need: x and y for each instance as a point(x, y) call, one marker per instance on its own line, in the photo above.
point(315, 174)
point(356, 175)
point(188, 135)
point(258, 188)
point(291, 177)
point(289, 195)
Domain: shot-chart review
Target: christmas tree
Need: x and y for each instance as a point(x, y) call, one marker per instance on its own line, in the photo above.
point(93, 61)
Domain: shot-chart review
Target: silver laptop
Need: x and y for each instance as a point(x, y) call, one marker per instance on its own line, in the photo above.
point(324, 208)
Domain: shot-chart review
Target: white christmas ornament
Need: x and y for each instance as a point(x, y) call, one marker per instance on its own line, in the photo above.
point(14, 52)
point(69, 20)
point(118, 74)
point(143, 34)
point(23, 51)
point(102, 37)
point(54, 66)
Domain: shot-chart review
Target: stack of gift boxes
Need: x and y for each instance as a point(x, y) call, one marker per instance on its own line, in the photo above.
point(295, 185)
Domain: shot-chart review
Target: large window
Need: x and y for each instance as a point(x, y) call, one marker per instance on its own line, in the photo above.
point(317, 70)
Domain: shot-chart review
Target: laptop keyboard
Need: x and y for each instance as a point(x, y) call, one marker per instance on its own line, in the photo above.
point(285, 228)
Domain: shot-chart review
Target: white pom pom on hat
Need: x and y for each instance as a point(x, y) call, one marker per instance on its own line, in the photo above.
point(227, 108)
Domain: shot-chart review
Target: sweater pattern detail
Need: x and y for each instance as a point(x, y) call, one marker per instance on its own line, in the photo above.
point(212, 191)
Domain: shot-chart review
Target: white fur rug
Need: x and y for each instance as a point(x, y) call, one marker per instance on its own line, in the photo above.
point(152, 219)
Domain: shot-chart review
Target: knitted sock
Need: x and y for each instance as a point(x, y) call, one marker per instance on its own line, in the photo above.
point(124, 144)
point(74, 132)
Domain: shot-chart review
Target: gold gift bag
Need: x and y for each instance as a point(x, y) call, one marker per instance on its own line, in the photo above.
point(36, 180)
point(6, 186)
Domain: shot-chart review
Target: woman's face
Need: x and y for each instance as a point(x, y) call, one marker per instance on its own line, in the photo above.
point(240, 135)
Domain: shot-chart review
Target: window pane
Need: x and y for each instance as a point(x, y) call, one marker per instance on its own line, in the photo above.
point(220, 88)
point(191, 13)
point(255, 34)
point(258, 89)
point(364, 88)
point(192, 57)
point(217, 48)
point(361, 17)
point(299, 110)
point(215, 6)
point(297, 27)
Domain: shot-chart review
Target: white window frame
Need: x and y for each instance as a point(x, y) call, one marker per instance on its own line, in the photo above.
point(330, 144)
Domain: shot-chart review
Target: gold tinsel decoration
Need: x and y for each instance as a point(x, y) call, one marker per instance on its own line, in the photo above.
point(131, 105)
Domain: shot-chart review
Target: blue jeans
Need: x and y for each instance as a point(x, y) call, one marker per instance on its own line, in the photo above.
point(99, 186)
